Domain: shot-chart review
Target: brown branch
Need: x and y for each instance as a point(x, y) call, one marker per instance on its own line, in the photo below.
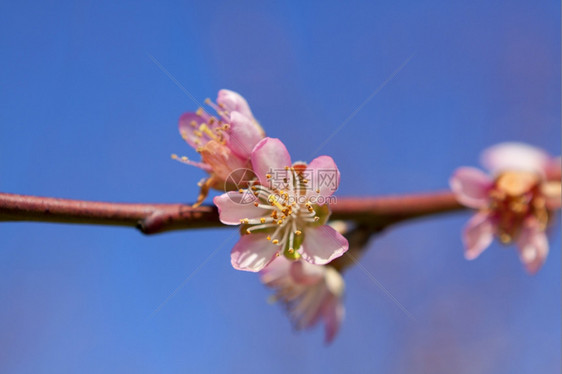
point(375, 212)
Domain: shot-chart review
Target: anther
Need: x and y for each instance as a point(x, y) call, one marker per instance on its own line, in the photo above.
point(275, 241)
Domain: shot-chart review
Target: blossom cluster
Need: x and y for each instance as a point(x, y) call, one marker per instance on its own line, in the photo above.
point(515, 203)
point(281, 206)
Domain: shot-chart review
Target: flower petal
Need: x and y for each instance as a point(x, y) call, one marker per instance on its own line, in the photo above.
point(305, 273)
point(515, 156)
point(552, 192)
point(533, 246)
point(253, 252)
point(478, 235)
point(471, 187)
point(333, 313)
point(234, 102)
point(322, 244)
point(554, 169)
point(235, 206)
point(244, 135)
point(269, 155)
point(324, 179)
point(222, 161)
point(188, 124)
point(277, 272)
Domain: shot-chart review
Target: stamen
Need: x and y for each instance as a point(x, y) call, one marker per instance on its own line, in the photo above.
point(204, 128)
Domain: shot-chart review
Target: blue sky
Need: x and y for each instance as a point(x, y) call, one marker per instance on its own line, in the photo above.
point(85, 113)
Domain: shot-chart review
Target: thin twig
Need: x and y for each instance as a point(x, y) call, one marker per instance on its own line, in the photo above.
point(375, 212)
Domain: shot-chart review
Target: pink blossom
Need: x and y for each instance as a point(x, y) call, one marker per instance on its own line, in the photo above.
point(310, 292)
point(224, 141)
point(515, 204)
point(284, 211)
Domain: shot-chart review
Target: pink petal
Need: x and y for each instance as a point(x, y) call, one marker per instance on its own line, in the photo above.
point(322, 244)
point(533, 246)
point(515, 156)
point(234, 102)
point(187, 130)
point(222, 161)
point(333, 313)
point(305, 273)
point(268, 156)
point(235, 206)
point(478, 235)
point(244, 135)
point(253, 252)
point(554, 168)
point(324, 179)
point(277, 271)
point(552, 192)
point(471, 187)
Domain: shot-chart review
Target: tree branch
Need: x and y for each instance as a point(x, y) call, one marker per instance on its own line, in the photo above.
point(373, 212)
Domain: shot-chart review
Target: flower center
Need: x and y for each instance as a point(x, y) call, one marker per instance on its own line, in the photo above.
point(287, 210)
point(515, 197)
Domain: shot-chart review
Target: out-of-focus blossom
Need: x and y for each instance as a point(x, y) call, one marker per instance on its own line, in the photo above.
point(284, 211)
point(514, 204)
point(224, 141)
point(311, 293)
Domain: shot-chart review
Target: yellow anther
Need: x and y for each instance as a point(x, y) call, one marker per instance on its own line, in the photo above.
point(273, 201)
point(248, 231)
point(268, 237)
point(291, 250)
point(277, 254)
point(199, 111)
point(298, 232)
point(268, 176)
point(317, 190)
point(275, 241)
point(262, 220)
point(212, 120)
point(316, 219)
point(193, 124)
point(204, 128)
point(184, 158)
point(505, 238)
point(241, 190)
point(174, 156)
point(207, 101)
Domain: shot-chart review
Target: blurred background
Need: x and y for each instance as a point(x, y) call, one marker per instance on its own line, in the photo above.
point(86, 113)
